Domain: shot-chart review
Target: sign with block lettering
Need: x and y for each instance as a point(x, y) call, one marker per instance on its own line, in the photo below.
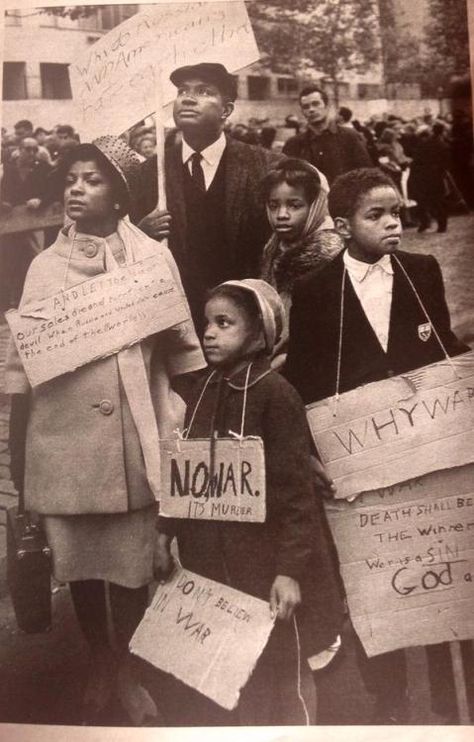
point(206, 634)
point(96, 318)
point(406, 556)
point(398, 428)
point(223, 479)
point(115, 82)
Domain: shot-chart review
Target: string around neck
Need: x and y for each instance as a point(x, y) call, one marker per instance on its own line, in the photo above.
point(339, 347)
point(427, 317)
point(341, 328)
point(205, 385)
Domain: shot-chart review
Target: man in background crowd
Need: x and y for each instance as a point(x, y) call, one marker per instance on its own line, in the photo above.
point(330, 147)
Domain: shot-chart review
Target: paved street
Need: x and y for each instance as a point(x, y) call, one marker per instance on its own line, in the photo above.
point(42, 675)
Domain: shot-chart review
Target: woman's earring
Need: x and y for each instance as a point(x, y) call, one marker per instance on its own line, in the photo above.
point(116, 207)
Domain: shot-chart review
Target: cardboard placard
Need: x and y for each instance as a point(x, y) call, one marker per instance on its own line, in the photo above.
point(23, 219)
point(96, 318)
point(234, 489)
point(398, 428)
point(406, 556)
point(206, 634)
point(126, 64)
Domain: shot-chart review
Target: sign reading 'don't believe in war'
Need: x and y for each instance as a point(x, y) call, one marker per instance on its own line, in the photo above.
point(206, 634)
point(96, 318)
point(398, 428)
point(232, 487)
point(406, 556)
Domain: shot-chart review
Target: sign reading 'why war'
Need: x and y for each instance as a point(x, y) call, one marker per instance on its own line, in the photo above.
point(225, 483)
point(398, 428)
point(406, 555)
point(206, 634)
point(96, 318)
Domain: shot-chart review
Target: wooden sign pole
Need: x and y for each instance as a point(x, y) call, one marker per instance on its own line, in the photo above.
point(459, 683)
point(160, 141)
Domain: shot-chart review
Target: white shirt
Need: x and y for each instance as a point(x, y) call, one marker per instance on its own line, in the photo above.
point(211, 157)
point(373, 284)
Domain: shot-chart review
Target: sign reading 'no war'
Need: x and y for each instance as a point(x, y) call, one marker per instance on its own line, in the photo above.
point(225, 483)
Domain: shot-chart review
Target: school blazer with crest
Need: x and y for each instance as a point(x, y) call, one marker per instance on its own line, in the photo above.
point(311, 365)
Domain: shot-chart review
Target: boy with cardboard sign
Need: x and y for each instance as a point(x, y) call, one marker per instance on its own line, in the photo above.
point(373, 313)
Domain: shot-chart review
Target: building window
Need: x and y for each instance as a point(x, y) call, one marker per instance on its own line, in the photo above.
point(49, 20)
point(107, 17)
point(258, 87)
point(14, 81)
point(369, 90)
point(287, 85)
point(55, 83)
point(12, 18)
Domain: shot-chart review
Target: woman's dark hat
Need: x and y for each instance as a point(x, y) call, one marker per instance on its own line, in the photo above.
point(209, 72)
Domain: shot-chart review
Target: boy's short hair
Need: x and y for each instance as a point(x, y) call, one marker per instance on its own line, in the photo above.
point(347, 190)
point(294, 172)
point(308, 89)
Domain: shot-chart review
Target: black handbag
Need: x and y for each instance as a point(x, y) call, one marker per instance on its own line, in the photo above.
point(28, 571)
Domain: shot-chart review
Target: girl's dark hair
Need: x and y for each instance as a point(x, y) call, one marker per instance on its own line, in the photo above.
point(347, 190)
point(84, 152)
point(244, 299)
point(295, 173)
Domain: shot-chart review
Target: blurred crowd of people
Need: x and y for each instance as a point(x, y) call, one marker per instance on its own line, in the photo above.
point(428, 157)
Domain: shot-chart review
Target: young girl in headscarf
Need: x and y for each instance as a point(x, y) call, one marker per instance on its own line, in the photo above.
point(284, 560)
point(87, 469)
point(303, 237)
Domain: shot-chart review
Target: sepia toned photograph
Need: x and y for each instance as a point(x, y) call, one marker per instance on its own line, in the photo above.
point(237, 370)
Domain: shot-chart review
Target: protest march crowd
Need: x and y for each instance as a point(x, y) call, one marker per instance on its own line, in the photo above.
point(296, 289)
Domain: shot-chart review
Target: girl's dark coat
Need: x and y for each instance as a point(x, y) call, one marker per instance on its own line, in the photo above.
point(292, 541)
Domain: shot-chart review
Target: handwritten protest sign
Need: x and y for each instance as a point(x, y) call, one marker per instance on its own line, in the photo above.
point(126, 64)
point(407, 560)
point(206, 634)
point(232, 487)
point(96, 318)
point(22, 219)
point(398, 428)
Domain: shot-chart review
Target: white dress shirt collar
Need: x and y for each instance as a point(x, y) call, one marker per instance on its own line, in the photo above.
point(359, 270)
point(211, 154)
point(373, 285)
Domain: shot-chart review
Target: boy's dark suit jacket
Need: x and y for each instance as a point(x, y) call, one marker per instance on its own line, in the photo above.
point(315, 324)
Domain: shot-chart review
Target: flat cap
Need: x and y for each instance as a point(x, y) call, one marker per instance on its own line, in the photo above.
point(209, 72)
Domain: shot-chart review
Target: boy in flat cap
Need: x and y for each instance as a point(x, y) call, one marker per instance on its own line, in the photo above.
point(218, 225)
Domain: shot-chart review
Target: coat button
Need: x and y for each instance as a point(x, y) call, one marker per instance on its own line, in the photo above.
point(91, 250)
point(106, 407)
